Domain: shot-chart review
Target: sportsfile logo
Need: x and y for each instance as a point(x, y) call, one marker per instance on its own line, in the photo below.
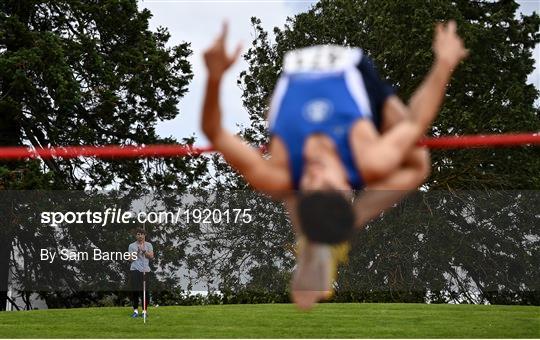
point(115, 216)
point(110, 215)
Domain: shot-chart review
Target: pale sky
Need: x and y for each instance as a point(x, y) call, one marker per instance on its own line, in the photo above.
point(199, 21)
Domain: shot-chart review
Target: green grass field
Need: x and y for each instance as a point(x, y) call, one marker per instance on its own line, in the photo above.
point(280, 321)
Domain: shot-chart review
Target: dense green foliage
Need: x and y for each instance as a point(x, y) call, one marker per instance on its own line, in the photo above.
point(84, 73)
point(88, 73)
point(488, 93)
point(436, 249)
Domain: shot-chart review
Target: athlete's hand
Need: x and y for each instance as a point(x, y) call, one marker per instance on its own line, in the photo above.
point(447, 45)
point(216, 58)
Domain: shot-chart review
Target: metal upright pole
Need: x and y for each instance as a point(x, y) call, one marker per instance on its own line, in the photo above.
point(144, 297)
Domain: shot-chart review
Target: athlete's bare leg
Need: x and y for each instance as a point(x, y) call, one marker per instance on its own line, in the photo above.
point(385, 193)
point(379, 155)
point(382, 193)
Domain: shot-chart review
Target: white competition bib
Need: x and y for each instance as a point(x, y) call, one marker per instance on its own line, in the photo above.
point(322, 58)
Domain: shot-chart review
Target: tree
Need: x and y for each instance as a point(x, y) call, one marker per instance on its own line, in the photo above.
point(488, 94)
point(246, 248)
point(464, 246)
point(86, 73)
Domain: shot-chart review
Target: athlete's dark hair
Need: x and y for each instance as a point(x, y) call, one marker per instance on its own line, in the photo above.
point(141, 231)
point(325, 216)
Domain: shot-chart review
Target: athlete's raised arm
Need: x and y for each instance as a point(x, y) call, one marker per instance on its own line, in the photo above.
point(260, 173)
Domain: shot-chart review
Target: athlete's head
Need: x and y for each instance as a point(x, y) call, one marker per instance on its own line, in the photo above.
point(140, 234)
point(325, 216)
point(324, 207)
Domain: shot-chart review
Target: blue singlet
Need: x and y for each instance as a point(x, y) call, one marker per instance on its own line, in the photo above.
point(325, 89)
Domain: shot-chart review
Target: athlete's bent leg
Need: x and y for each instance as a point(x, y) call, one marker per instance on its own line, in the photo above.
point(378, 156)
point(385, 193)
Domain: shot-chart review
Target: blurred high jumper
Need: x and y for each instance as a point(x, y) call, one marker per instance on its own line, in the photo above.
point(335, 127)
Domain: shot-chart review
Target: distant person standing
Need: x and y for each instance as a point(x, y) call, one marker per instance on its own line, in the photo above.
point(139, 271)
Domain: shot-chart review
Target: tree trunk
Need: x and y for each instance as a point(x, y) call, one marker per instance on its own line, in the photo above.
point(5, 253)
